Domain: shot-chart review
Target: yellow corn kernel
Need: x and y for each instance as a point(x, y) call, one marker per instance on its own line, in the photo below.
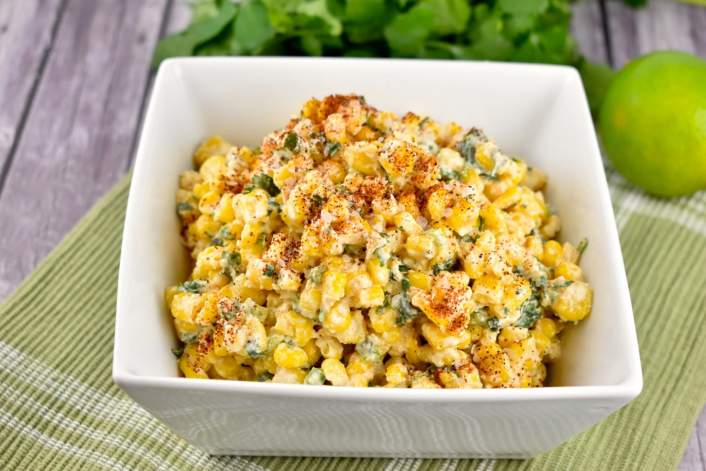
point(361, 157)
point(193, 363)
point(213, 145)
point(547, 326)
point(333, 286)
point(484, 158)
point(507, 199)
point(310, 110)
point(420, 246)
point(208, 202)
point(312, 351)
point(510, 335)
point(440, 340)
point(552, 253)
point(488, 290)
point(405, 221)
point(185, 306)
point(335, 372)
point(464, 217)
point(573, 302)
point(493, 364)
point(169, 294)
point(569, 271)
point(396, 373)
point(329, 347)
point(227, 367)
point(438, 204)
point(219, 346)
point(288, 356)
point(224, 212)
point(534, 246)
point(493, 217)
point(204, 226)
point(378, 272)
point(419, 280)
point(213, 168)
point(356, 331)
point(289, 376)
point(371, 297)
point(383, 320)
point(310, 300)
point(338, 318)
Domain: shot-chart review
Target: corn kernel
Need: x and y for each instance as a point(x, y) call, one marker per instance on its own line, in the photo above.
point(552, 253)
point(288, 356)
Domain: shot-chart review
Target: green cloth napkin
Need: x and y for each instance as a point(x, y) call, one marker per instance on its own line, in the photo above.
point(59, 408)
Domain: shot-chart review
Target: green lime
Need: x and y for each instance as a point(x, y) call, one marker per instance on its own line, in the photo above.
point(653, 123)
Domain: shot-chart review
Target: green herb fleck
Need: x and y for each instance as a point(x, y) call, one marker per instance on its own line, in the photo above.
point(581, 247)
point(189, 337)
point(192, 286)
point(253, 349)
point(494, 324)
point(369, 349)
point(269, 270)
point(178, 351)
point(481, 223)
point(291, 141)
point(318, 200)
point(265, 182)
point(443, 266)
point(184, 208)
point(531, 311)
point(331, 148)
point(405, 284)
point(314, 377)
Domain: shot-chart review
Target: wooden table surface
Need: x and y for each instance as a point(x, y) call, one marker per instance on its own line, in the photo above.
point(74, 79)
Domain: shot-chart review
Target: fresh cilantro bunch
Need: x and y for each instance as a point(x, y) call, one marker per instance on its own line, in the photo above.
point(506, 30)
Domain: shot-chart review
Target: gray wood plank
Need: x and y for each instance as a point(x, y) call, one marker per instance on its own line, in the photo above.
point(662, 25)
point(587, 28)
point(26, 32)
point(80, 130)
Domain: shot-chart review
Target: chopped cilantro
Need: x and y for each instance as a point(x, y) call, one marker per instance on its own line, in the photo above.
point(314, 377)
point(178, 351)
point(266, 376)
point(252, 349)
point(193, 286)
point(331, 148)
point(269, 270)
point(448, 175)
point(273, 206)
point(316, 273)
point(403, 268)
point(406, 312)
point(405, 284)
point(318, 200)
point(369, 349)
point(184, 208)
point(354, 250)
point(531, 311)
point(481, 223)
point(265, 182)
point(493, 324)
point(291, 141)
point(443, 266)
point(467, 145)
point(189, 337)
point(581, 247)
point(231, 263)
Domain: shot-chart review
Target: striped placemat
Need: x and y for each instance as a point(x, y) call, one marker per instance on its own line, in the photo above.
point(60, 410)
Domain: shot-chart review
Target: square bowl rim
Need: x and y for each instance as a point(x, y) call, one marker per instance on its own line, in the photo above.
point(627, 389)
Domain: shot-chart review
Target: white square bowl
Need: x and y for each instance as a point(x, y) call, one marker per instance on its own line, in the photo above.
point(534, 111)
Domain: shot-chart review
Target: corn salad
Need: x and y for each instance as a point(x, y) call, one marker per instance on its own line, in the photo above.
point(359, 248)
